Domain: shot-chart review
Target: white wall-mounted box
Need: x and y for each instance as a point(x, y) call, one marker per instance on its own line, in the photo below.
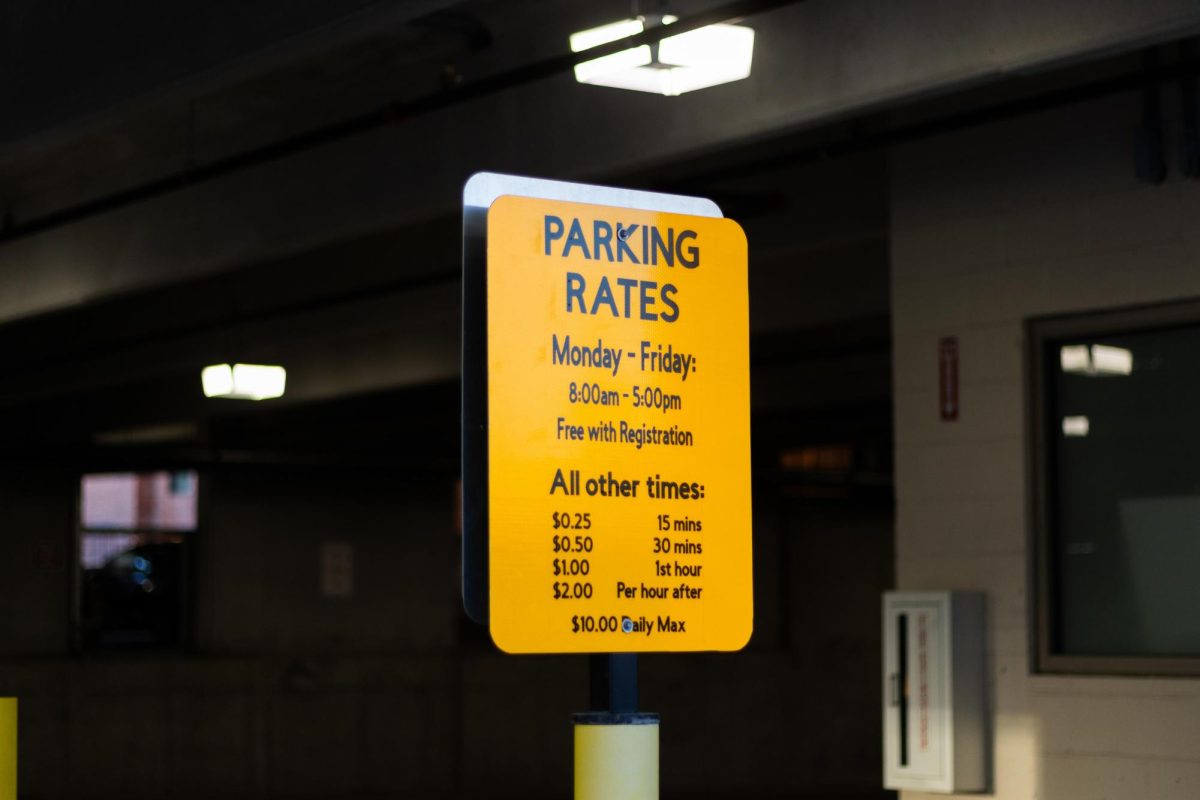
point(935, 731)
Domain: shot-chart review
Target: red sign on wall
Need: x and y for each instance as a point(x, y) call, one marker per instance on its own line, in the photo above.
point(948, 378)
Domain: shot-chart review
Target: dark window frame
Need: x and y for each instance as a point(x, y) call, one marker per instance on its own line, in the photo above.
point(1039, 332)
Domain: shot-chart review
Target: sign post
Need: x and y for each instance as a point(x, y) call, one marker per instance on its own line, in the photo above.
point(606, 434)
point(8, 748)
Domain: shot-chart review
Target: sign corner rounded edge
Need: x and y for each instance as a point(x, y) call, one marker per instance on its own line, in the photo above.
point(499, 645)
point(741, 232)
point(473, 180)
point(743, 639)
point(502, 200)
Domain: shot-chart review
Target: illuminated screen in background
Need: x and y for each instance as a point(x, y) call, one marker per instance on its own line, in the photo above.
point(140, 501)
point(132, 550)
point(100, 548)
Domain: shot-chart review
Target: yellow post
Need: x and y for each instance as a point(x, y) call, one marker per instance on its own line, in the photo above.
point(8, 748)
point(616, 756)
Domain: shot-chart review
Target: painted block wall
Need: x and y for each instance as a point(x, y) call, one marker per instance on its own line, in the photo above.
point(389, 692)
point(990, 226)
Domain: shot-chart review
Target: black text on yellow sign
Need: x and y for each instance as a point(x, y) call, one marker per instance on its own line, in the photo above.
point(619, 430)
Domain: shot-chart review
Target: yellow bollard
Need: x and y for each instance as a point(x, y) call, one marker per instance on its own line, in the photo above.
point(8, 748)
point(616, 756)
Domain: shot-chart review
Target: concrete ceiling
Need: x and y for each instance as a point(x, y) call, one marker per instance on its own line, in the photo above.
point(285, 72)
point(340, 256)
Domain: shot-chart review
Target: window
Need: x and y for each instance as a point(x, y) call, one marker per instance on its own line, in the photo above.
point(1116, 491)
point(135, 532)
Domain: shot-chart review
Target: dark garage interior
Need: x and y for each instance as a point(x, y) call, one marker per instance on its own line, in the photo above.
point(212, 598)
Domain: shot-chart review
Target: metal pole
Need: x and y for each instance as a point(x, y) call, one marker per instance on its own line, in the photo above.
point(8, 748)
point(614, 682)
point(616, 746)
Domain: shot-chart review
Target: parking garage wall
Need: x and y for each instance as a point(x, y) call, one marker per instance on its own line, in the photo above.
point(1032, 216)
point(287, 693)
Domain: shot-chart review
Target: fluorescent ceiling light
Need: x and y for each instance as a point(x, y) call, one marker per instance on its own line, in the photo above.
point(243, 381)
point(594, 37)
point(685, 62)
point(1111, 360)
point(1075, 426)
point(1099, 359)
point(1075, 358)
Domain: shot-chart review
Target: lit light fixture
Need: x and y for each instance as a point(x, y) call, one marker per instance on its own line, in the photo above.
point(1111, 360)
point(1075, 358)
point(1099, 359)
point(243, 381)
point(685, 62)
point(1075, 426)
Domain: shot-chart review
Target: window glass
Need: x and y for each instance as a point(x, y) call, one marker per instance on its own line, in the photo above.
point(147, 500)
point(132, 556)
point(1124, 493)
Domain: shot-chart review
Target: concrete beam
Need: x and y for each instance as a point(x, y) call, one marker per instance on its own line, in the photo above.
point(814, 62)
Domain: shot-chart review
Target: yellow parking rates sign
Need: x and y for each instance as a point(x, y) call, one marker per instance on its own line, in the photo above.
point(618, 430)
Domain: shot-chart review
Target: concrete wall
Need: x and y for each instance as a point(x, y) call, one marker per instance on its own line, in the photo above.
point(285, 692)
point(35, 522)
point(390, 692)
point(1036, 216)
